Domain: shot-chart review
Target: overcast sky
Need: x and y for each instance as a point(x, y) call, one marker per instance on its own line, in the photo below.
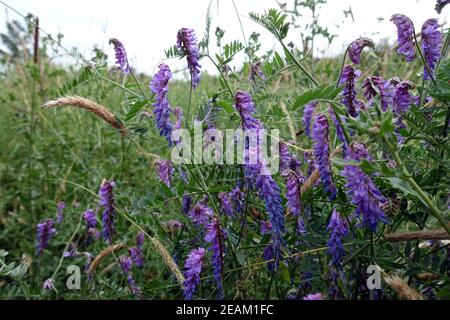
point(149, 27)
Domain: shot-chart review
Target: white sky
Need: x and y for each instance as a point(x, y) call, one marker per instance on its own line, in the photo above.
point(150, 26)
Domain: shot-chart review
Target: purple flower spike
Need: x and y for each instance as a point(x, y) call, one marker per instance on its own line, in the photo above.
point(216, 236)
point(349, 76)
point(431, 45)
point(160, 88)
point(294, 181)
point(187, 45)
point(322, 154)
point(246, 108)
point(193, 266)
point(136, 256)
point(225, 201)
point(308, 113)
point(363, 192)
point(109, 212)
point(201, 213)
point(178, 112)
point(338, 230)
point(356, 47)
point(405, 34)
point(186, 204)
point(256, 72)
point(60, 212)
point(440, 4)
point(337, 125)
point(373, 86)
point(45, 232)
point(121, 56)
point(126, 264)
point(165, 171)
point(314, 296)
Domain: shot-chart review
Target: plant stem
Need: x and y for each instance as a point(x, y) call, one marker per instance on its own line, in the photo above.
point(430, 74)
point(298, 64)
point(422, 194)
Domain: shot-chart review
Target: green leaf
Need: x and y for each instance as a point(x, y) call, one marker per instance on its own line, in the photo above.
point(135, 108)
point(402, 185)
point(323, 92)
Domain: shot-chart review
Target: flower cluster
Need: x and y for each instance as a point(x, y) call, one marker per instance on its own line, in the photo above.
point(160, 88)
point(349, 99)
point(91, 225)
point(165, 171)
point(308, 113)
point(232, 202)
point(431, 45)
point(109, 211)
point(338, 230)
point(374, 86)
point(356, 47)
point(121, 56)
point(440, 4)
point(215, 236)
point(322, 153)
point(256, 72)
point(187, 45)
point(60, 212)
point(363, 193)
point(193, 266)
point(126, 264)
point(45, 231)
point(405, 34)
point(135, 252)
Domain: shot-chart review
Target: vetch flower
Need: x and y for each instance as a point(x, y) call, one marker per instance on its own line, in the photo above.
point(256, 72)
point(49, 284)
point(186, 204)
point(160, 88)
point(136, 254)
point(405, 35)
point(126, 264)
point(338, 230)
point(268, 189)
point(356, 47)
point(225, 202)
point(373, 86)
point(187, 45)
point(201, 213)
point(91, 225)
point(178, 112)
point(193, 266)
point(45, 231)
point(294, 181)
point(313, 296)
point(216, 236)
point(165, 171)
point(308, 112)
point(431, 45)
point(320, 135)
point(121, 56)
point(363, 192)
point(109, 212)
point(349, 76)
point(60, 212)
point(440, 4)
point(246, 108)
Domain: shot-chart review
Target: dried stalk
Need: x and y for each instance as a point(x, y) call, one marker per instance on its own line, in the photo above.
point(89, 105)
point(106, 252)
point(401, 287)
point(439, 234)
